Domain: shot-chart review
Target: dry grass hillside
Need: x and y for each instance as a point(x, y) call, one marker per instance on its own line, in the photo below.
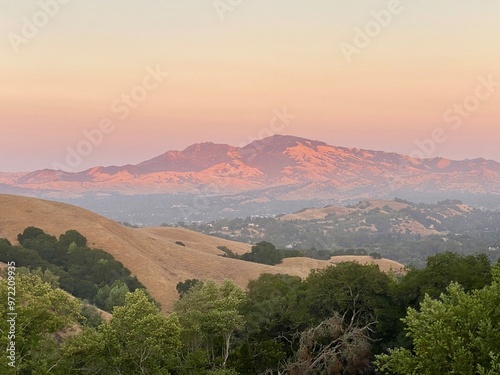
point(150, 253)
point(321, 213)
point(306, 264)
point(363, 208)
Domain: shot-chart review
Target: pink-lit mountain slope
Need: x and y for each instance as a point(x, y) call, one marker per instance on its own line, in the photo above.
point(299, 168)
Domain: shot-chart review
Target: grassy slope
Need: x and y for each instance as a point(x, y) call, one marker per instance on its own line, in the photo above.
point(150, 253)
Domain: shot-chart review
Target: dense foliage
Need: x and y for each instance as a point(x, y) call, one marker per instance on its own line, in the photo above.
point(459, 333)
point(90, 274)
point(344, 319)
point(263, 252)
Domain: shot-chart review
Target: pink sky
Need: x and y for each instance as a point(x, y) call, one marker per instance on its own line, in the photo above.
point(227, 77)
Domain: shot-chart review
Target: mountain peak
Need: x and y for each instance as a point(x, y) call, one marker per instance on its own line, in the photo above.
point(194, 158)
point(300, 168)
point(206, 147)
point(282, 141)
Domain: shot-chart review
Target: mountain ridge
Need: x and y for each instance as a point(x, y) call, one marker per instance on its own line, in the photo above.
point(276, 161)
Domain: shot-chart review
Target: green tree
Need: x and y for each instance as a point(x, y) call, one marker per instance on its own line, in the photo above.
point(273, 316)
point(102, 296)
point(117, 295)
point(360, 292)
point(72, 236)
point(457, 334)
point(85, 353)
point(30, 233)
point(185, 286)
point(108, 297)
point(139, 339)
point(45, 275)
point(263, 252)
point(471, 272)
point(209, 315)
point(43, 313)
point(90, 316)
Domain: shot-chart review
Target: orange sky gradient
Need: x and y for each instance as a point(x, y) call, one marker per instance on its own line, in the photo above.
point(227, 76)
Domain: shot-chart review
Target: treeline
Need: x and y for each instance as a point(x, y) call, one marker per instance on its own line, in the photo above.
point(266, 253)
point(344, 319)
point(90, 274)
point(263, 252)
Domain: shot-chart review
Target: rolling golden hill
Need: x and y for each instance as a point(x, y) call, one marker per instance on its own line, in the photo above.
point(365, 207)
point(151, 254)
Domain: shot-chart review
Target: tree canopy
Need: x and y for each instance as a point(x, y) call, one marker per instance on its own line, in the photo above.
point(341, 320)
point(459, 333)
point(90, 274)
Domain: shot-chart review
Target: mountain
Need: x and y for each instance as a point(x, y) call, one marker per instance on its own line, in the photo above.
point(280, 167)
point(151, 253)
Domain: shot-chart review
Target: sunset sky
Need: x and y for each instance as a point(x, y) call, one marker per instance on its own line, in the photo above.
point(230, 71)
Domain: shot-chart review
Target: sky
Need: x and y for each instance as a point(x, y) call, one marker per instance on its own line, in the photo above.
point(92, 82)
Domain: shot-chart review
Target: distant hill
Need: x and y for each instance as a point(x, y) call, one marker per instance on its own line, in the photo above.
point(150, 253)
point(396, 229)
point(393, 216)
point(365, 206)
point(284, 168)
